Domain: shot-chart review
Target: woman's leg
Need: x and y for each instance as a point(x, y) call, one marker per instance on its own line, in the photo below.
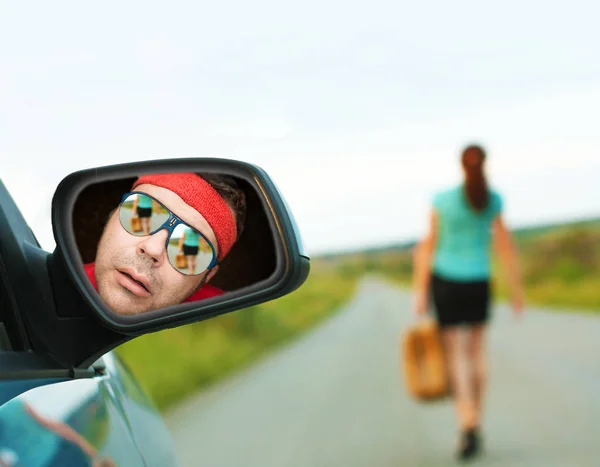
point(146, 225)
point(460, 376)
point(477, 354)
point(191, 263)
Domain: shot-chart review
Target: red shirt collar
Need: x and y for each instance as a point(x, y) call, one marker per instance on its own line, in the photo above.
point(206, 291)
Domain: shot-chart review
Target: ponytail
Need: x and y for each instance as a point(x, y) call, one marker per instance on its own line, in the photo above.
point(476, 187)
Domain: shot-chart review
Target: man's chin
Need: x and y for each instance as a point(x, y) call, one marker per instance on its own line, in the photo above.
point(124, 303)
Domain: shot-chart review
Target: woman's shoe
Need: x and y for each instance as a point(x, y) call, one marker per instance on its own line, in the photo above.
point(469, 444)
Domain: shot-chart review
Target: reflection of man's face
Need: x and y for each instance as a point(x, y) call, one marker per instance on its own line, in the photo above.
point(121, 256)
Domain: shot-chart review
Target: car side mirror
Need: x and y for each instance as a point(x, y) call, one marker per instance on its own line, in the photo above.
point(157, 244)
point(142, 247)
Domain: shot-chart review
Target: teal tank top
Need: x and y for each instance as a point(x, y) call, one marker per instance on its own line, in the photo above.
point(191, 237)
point(144, 202)
point(463, 251)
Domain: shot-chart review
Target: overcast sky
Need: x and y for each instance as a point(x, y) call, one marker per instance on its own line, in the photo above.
point(357, 110)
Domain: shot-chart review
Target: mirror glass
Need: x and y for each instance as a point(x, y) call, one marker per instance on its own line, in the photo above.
point(158, 240)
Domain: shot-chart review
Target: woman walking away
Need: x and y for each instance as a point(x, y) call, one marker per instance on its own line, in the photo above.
point(453, 264)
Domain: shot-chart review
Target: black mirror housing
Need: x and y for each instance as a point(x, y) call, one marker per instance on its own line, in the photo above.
point(290, 263)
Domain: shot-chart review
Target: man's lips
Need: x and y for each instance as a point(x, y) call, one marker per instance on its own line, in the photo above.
point(134, 282)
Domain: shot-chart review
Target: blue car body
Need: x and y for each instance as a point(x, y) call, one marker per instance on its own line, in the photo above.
point(49, 422)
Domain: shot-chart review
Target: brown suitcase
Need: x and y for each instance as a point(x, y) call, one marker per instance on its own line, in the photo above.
point(136, 224)
point(180, 261)
point(423, 361)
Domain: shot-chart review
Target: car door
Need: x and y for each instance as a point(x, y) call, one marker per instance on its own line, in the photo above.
point(64, 422)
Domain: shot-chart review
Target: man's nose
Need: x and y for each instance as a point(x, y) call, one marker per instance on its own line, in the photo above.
point(153, 246)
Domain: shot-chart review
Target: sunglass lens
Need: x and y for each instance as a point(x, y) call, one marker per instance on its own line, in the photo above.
point(188, 251)
point(147, 216)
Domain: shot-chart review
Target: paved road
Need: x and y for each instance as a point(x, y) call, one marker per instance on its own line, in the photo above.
point(336, 398)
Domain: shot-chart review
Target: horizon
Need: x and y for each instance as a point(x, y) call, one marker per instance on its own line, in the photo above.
point(403, 243)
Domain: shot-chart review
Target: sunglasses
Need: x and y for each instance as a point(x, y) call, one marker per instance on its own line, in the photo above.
point(183, 241)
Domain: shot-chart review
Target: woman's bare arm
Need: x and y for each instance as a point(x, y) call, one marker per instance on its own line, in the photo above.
point(506, 249)
point(423, 256)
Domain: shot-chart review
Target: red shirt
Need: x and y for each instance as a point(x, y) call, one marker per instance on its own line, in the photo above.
point(206, 291)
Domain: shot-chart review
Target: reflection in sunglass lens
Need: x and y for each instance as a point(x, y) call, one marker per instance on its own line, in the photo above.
point(188, 251)
point(144, 217)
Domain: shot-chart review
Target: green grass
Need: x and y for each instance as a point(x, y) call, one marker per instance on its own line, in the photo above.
point(174, 363)
point(561, 268)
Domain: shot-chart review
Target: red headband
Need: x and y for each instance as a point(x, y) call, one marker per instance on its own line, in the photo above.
point(200, 195)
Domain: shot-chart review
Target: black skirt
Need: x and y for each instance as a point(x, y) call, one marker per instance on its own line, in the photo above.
point(190, 250)
point(460, 303)
point(144, 212)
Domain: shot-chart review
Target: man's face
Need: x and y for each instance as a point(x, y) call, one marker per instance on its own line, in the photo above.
point(122, 255)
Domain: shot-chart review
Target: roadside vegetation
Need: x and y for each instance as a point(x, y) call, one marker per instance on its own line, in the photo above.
point(561, 267)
